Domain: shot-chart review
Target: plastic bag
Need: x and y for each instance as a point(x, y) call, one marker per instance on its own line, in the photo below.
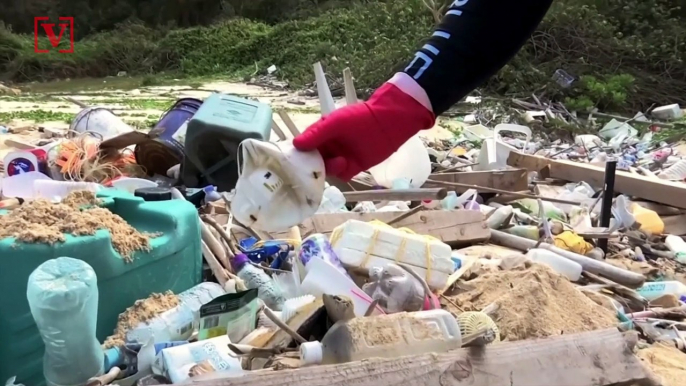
point(395, 289)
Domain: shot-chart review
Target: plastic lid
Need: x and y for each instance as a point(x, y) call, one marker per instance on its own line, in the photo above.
point(154, 194)
point(311, 353)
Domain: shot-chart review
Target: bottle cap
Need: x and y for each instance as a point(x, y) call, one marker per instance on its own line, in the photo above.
point(311, 353)
point(240, 260)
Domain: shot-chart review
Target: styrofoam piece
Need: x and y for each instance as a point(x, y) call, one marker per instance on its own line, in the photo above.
point(667, 112)
point(350, 93)
point(325, 97)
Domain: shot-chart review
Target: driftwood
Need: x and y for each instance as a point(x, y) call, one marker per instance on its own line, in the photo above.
point(598, 358)
point(453, 227)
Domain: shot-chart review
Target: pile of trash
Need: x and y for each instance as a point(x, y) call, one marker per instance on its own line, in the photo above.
point(144, 258)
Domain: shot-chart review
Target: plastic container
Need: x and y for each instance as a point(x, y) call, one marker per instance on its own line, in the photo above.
point(179, 322)
point(57, 190)
point(255, 278)
point(411, 161)
point(494, 152)
point(99, 120)
point(279, 186)
point(63, 297)
point(653, 290)
point(174, 262)
point(333, 201)
point(565, 267)
point(385, 336)
point(677, 245)
point(213, 135)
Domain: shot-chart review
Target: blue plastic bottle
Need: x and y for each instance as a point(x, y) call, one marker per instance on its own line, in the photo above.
point(63, 298)
point(255, 278)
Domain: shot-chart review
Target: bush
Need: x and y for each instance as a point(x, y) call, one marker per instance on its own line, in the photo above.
point(604, 43)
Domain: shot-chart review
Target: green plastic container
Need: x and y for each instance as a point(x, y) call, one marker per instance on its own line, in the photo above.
point(174, 263)
point(213, 135)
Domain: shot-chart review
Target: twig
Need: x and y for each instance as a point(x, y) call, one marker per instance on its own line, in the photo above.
point(405, 215)
point(371, 308)
point(270, 314)
point(452, 302)
point(225, 236)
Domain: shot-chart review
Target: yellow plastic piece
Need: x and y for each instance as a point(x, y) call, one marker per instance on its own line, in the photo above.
point(572, 242)
point(650, 221)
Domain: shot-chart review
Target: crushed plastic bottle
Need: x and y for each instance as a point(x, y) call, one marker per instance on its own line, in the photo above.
point(255, 278)
point(63, 298)
point(333, 201)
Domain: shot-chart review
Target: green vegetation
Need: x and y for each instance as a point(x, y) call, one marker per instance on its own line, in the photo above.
point(627, 54)
point(37, 116)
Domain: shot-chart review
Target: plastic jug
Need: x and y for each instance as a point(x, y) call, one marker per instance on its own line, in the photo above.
point(63, 297)
point(677, 245)
point(494, 152)
point(653, 290)
point(384, 336)
point(279, 186)
point(565, 267)
point(411, 161)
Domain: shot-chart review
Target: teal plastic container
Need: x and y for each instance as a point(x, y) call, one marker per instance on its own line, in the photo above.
point(213, 135)
point(174, 263)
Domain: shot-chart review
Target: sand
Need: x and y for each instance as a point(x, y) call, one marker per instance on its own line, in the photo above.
point(533, 303)
point(141, 311)
point(666, 362)
point(41, 221)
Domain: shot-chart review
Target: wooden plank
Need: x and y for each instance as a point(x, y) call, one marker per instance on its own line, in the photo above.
point(598, 358)
point(454, 227)
point(511, 180)
point(664, 192)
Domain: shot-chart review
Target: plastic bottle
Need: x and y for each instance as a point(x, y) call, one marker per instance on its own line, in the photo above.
point(653, 290)
point(410, 161)
point(384, 336)
point(565, 267)
point(179, 322)
point(677, 245)
point(63, 298)
point(317, 246)
point(255, 278)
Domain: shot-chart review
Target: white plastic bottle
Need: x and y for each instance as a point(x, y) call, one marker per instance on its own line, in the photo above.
point(384, 336)
point(63, 298)
point(655, 289)
point(179, 322)
point(677, 245)
point(255, 278)
point(565, 267)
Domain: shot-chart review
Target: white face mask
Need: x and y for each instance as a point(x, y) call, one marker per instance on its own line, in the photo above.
point(278, 186)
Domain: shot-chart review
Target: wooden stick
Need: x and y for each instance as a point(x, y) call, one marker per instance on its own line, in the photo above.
point(416, 194)
point(278, 131)
point(494, 190)
point(222, 233)
point(405, 215)
point(270, 314)
point(76, 102)
point(289, 123)
point(214, 245)
point(214, 264)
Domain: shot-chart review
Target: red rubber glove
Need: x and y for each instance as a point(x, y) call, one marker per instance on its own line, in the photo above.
point(354, 138)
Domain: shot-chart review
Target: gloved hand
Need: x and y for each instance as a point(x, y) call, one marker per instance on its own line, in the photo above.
point(354, 138)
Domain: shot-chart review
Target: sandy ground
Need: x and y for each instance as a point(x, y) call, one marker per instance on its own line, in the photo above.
point(303, 112)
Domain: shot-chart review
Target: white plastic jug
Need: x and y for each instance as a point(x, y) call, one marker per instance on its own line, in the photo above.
point(278, 186)
point(494, 152)
point(565, 267)
point(411, 161)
